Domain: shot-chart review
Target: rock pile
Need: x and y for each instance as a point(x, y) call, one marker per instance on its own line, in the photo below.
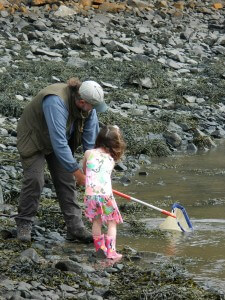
point(174, 8)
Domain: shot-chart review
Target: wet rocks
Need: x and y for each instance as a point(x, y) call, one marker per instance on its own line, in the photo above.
point(44, 276)
point(155, 69)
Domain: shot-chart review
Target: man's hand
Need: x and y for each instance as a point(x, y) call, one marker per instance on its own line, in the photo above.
point(80, 177)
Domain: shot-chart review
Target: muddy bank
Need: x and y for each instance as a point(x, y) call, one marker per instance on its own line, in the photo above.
point(50, 268)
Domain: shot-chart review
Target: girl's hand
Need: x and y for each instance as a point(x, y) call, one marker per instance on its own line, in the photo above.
point(80, 177)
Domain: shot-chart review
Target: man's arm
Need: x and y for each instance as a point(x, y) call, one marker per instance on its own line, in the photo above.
point(56, 115)
point(80, 177)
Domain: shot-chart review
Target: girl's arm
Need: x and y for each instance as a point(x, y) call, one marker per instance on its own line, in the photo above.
point(86, 154)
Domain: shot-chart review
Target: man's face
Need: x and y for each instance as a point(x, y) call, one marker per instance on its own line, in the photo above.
point(84, 106)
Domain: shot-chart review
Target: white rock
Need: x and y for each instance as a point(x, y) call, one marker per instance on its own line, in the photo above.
point(19, 97)
point(65, 11)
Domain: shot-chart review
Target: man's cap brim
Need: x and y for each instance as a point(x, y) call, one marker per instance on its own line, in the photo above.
point(101, 107)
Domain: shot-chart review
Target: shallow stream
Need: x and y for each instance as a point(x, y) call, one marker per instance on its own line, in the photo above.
point(197, 182)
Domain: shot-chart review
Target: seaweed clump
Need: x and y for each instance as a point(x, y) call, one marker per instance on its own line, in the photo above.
point(50, 216)
point(136, 135)
point(202, 142)
point(210, 85)
point(158, 281)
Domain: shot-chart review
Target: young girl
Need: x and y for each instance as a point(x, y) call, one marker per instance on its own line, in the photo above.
point(101, 207)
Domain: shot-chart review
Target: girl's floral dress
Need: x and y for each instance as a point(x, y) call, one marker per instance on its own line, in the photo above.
point(99, 200)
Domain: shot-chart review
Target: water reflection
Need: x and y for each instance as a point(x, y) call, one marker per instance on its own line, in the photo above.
point(197, 183)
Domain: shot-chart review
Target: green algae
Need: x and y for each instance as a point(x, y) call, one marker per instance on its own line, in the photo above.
point(13, 267)
point(156, 281)
point(49, 214)
point(202, 141)
point(37, 74)
point(27, 78)
point(137, 227)
point(135, 134)
point(209, 84)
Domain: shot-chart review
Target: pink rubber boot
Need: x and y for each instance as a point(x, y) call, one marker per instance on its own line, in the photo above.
point(99, 243)
point(110, 243)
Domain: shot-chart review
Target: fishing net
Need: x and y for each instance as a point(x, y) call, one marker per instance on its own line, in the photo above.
point(180, 223)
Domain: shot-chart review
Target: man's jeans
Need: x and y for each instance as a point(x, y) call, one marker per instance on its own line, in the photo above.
point(33, 182)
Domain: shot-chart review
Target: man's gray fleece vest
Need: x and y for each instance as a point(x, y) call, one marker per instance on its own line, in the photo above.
point(32, 130)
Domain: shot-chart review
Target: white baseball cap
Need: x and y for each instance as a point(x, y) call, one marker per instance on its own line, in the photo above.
point(92, 92)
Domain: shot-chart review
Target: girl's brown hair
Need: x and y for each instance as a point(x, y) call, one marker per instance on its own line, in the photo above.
point(74, 85)
point(74, 96)
point(110, 138)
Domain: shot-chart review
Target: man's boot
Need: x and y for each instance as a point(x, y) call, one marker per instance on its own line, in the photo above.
point(24, 230)
point(81, 234)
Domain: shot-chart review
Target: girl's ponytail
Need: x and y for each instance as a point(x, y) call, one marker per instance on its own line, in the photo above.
point(74, 84)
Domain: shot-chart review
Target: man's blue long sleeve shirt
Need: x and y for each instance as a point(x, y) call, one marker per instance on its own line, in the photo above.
point(56, 115)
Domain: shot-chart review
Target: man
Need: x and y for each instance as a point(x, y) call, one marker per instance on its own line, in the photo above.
point(59, 119)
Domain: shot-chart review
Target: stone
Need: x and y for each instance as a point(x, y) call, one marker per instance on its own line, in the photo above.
point(112, 7)
point(64, 11)
point(179, 5)
point(85, 3)
point(98, 1)
point(120, 167)
point(45, 52)
point(162, 4)
point(217, 5)
point(43, 2)
point(19, 97)
point(77, 62)
point(172, 138)
point(113, 46)
point(69, 265)
point(67, 288)
point(1, 196)
point(174, 65)
point(31, 254)
point(191, 147)
point(218, 133)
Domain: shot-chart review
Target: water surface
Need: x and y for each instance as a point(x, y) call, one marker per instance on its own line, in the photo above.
point(197, 182)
